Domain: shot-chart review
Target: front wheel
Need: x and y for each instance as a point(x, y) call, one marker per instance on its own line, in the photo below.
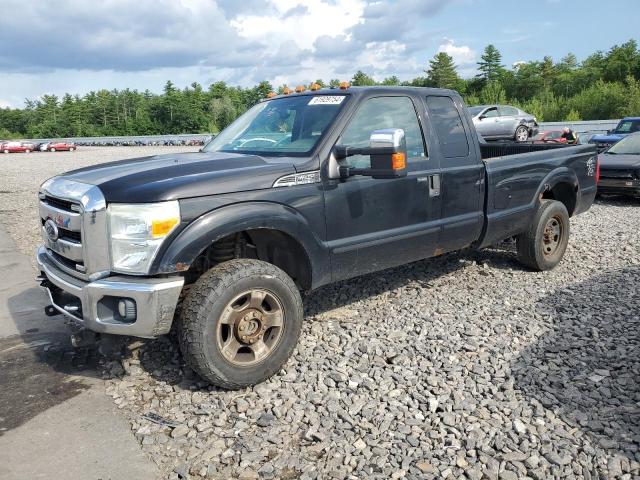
point(522, 134)
point(240, 323)
point(543, 245)
point(52, 150)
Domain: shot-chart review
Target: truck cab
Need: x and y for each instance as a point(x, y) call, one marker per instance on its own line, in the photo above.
point(304, 189)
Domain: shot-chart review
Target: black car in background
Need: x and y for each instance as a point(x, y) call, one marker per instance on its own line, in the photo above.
point(620, 167)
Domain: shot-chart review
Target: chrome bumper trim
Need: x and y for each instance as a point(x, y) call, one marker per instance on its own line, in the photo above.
point(156, 299)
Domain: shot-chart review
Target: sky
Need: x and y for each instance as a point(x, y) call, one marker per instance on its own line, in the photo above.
point(78, 46)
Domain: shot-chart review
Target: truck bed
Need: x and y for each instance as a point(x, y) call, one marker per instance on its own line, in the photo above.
point(517, 175)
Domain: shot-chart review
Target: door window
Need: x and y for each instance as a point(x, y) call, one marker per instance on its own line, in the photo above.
point(379, 113)
point(508, 112)
point(491, 113)
point(447, 123)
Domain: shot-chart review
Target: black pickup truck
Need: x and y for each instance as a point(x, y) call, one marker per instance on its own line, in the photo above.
point(302, 190)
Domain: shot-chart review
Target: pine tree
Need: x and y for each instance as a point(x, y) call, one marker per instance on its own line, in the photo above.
point(490, 64)
point(362, 79)
point(442, 71)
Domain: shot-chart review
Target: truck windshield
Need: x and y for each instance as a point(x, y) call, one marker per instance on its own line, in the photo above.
point(628, 126)
point(627, 146)
point(290, 126)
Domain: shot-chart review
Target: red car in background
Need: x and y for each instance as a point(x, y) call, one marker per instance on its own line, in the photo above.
point(61, 147)
point(550, 136)
point(17, 147)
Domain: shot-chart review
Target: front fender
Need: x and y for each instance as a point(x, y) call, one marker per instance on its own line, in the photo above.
point(224, 221)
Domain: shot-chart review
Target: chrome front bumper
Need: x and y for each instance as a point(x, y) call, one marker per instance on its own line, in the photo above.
point(156, 300)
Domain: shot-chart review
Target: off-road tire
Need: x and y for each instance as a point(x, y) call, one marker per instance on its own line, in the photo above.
point(531, 243)
point(198, 323)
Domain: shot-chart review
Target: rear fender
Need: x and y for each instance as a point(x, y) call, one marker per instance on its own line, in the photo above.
point(507, 222)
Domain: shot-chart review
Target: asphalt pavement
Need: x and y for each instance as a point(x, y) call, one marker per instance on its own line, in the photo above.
point(55, 420)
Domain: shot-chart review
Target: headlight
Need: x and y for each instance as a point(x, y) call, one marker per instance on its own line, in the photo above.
point(137, 231)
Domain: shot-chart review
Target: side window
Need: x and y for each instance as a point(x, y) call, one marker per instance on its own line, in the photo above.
point(447, 123)
point(491, 113)
point(508, 112)
point(376, 114)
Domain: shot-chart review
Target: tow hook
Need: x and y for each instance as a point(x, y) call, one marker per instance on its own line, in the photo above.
point(51, 311)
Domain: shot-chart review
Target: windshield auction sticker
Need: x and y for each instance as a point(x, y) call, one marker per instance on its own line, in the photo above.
point(326, 100)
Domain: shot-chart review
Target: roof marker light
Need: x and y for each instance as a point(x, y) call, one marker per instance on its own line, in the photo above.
point(271, 94)
point(300, 89)
point(344, 85)
point(314, 87)
point(287, 91)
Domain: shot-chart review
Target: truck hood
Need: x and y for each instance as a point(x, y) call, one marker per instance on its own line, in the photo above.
point(610, 138)
point(619, 162)
point(181, 175)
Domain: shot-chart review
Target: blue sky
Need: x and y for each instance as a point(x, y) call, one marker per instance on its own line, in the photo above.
point(142, 44)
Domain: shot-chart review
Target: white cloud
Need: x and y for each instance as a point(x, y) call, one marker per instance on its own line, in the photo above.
point(141, 44)
point(462, 55)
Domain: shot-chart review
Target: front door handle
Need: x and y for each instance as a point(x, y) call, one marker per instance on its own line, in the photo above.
point(434, 185)
point(433, 182)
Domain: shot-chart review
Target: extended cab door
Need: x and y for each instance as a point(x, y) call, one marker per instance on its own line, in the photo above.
point(462, 183)
point(374, 224)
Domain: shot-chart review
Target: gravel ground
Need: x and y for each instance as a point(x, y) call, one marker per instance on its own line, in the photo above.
point(463, 366)
point(22, 175)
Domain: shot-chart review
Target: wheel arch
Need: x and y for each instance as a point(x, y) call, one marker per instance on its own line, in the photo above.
point(275, 233)
point(561, 185)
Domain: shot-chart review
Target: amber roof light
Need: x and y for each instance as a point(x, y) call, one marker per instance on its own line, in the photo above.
point(300, 89)
point(344, 85)
point(271, 94)
point(314, 87)
point(287, 91)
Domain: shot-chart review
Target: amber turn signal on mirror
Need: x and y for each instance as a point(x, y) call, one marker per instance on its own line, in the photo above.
point(398, 161)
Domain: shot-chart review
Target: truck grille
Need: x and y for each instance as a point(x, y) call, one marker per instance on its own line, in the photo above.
point(60, 204)
point(74, 227)
point(619, 174)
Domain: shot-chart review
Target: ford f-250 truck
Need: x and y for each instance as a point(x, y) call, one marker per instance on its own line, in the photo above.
point(302, 190)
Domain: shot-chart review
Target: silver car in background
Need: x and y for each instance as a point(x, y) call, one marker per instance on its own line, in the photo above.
point(501, 122)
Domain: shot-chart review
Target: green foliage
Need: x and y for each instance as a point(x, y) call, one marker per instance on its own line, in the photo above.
point(361, 79)
point(493, 92)
point(605, 85)
point(572, 116)
point(442, 72)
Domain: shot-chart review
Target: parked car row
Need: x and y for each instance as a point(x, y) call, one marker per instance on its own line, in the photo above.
point(28, 147)
point(143, 143)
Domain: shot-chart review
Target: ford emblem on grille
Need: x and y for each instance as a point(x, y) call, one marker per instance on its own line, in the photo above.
point(52, 230)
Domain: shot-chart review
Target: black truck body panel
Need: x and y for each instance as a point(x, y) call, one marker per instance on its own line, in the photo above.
point(348, 227)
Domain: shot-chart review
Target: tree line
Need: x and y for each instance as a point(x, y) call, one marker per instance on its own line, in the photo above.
point(605, 85)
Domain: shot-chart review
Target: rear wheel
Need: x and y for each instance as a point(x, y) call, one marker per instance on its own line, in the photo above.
point(240, 322)
point(522, 134)
point(71, 149)
point(53, 150)
point(27, 151)
point(543, 245)
point(6, 151)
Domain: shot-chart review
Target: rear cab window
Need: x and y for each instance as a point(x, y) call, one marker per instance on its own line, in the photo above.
point(449, 128)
